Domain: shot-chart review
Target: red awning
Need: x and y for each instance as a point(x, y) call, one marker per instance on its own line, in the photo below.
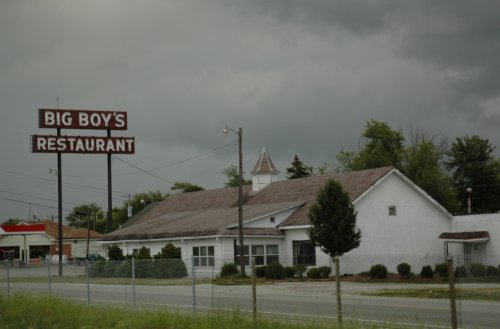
point(474, 236)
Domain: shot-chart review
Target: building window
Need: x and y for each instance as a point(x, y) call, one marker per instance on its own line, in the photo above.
point(272, 219)
point(392, 211)
point(203, 256)
point(272, 255)
point(304, 253)
point(264, 254)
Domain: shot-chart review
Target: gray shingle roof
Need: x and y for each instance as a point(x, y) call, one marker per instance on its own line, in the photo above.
point(211, 212)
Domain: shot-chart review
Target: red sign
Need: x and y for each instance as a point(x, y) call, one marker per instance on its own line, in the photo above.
point(23, 229)
point(82, 119)
point(82, 144)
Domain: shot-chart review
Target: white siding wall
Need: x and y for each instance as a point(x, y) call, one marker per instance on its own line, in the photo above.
point(487, 253)
point(223, 250)
point(79, 248)
point(260, 181)
point(414, 230)
point(411, 236)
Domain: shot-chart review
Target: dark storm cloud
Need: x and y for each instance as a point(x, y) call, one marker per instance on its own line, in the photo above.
point(299, 77)
point(458, 38)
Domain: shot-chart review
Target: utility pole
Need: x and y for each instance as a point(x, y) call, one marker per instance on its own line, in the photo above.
point(239, 132)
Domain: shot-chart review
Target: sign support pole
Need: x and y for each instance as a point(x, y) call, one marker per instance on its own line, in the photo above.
point(59, 209)
point(110, 198)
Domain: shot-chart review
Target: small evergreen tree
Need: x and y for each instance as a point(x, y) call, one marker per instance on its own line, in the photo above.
point(298, 169)
point(333, 221)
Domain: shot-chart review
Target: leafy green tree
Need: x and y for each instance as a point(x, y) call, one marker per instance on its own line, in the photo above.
point(185, 187)
point(333, 221)
point(12, 221)
point(473, 165)
point(231, 174)
point(333, 227)
point(80, 216)
point(424, 165)
point(138, 202)
point(321, 170)
point(298, 169)
point(383, 147)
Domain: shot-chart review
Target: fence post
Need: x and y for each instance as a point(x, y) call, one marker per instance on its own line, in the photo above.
point(193, 285)
point(133, 282)
point(337, 282)
point(88, 280)
point(8, 278)
point(453, 297)
point(50, 278)
point(254, 292)
point(212, 281)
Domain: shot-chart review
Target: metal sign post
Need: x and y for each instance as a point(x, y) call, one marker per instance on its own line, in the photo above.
point(81, 119)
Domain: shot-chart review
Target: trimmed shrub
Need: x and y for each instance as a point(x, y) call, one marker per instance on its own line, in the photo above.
point(275, 271)
point(492, 271)
point(115, 253)
point(143, 268)
point(124, 270)
point(313, 273)
point(324, 272)
point(404, 269)
point(169, 268)
point(442, 270)
point(378, 271)
point(427, 272)
point(260, 271)
point(460, 272)
point(301, 269)
point(143, 253)
point(169, 252)
point(109, 270)
point(477, 270)
point(96, 269)
point(228, 269)
point(290, 271)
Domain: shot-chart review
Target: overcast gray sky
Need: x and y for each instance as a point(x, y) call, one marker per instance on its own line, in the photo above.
point(300, 77)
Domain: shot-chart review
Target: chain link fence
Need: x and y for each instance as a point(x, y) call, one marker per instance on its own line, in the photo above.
point(398, 291)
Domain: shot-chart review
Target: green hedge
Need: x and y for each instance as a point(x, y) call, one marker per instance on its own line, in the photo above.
point(144, 268)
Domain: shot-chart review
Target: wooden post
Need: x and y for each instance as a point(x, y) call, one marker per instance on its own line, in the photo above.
point(254, 292)
point(337, 281)
point(452, 293)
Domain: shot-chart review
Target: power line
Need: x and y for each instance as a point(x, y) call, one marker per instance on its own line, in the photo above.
point(156, 168)
point(32, 204)
point(144, 171)
point(74, 186)
point(41, 198)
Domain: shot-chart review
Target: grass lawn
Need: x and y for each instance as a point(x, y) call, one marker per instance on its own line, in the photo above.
point(464, 293)
point(21, 311)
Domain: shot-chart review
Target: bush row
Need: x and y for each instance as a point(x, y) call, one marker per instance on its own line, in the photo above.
point(276, 271)
point(173, 268)
point(476, 270)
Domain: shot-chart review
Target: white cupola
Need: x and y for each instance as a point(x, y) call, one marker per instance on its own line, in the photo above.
point(264, 172)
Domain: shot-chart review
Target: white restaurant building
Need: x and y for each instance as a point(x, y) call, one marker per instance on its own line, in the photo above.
point(398, 220)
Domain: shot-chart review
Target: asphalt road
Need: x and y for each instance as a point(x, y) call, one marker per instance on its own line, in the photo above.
point(300, 300)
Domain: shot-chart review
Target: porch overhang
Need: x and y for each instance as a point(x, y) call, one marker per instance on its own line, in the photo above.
point(465, 237)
